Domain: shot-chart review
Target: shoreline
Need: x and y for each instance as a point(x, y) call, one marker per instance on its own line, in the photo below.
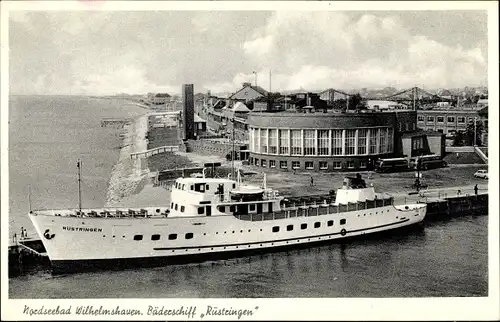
point(127, 175)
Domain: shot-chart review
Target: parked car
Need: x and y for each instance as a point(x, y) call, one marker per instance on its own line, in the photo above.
point(481, 174)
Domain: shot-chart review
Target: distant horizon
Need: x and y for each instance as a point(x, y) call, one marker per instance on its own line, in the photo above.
point(354, 90)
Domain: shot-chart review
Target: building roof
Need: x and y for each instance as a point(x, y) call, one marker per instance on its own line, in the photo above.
point(198, 119)
point(421, 132)
point(240, 108)
point(258, 89)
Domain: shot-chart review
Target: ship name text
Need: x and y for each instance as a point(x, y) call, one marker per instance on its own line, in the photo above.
point(84, 229)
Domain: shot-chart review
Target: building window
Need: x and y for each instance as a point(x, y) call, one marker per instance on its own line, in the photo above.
point(390, 139)
point(337, 165)
point(263, 163)
point(231, 208)
point(417, 143)
point(263, 140)
point(309, 165)
point(350, 164)
point(440, 130)
point(276, 229)
point(303, 226)
point(337, 142)
point(323, 142)
point(155, 237)
point(362, 164)
point(273, 141)
point(350, 142)
point(471, 119)
point(317, 224)
point(256, 161)
point(172, 237)
point(342, 221)
point(383, 139)
point(284, 142)
point(451, 119)
point(309, 142)
point(430, 119)
point(362, 141)
point(420, 118)
point(256, 140)
point(461, 119)
point(189, 236)
point(296, 142)
point(251, 207)
point(272, 163)
point(289, 227)
point(295, 164)
point(440, 119)
point(323, 165)
point(373, 141)
point(283, 165)
point(329, 223)
point(138, 237)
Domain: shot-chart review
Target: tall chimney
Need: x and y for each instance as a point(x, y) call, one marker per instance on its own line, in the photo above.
point(188, 111)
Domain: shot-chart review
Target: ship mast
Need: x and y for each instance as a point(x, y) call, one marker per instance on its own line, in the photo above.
point(78, 163)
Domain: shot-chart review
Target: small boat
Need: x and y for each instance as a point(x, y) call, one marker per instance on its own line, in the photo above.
point(213, 218)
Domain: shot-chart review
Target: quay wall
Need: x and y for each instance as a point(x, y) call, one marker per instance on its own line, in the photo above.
point(213, 147)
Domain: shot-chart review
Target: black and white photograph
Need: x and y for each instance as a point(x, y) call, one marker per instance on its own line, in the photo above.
point(244, 160)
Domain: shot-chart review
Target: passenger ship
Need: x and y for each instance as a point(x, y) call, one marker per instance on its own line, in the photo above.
point(213, 218)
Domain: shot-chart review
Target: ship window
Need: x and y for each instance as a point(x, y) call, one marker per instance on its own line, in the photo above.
point(183, 187)
point(289, 227)
point(155, 237)
point(317, 224)
point(342, 221)
point(231, 208)
point(189, 235)
point(172, 205)
point(201, 210)
point(182, 208)
point(138, 237)
point(234, 185)
point(172, 237)
point(222, 208)
point(303, 226)
point(252, 207)
point(329, 223)
point(191, 187)
point(175, 206)
point(207, 187)
point(276, 229)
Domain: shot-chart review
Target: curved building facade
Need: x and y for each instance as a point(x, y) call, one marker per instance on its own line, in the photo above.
point(326, 141)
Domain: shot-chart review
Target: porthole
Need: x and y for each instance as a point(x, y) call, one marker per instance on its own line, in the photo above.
point(317, 224)
point(172, 237)
point(157, 210)
point(289, 227)
point(155, 237)
point(103, 235)
point(114, 235)
point(249, 230)
point(276, 229)
point(303, 226)
point(329, 223)
point(241, 231)
point(204, 234)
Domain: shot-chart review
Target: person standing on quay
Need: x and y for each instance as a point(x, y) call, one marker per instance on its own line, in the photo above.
point(475, 189)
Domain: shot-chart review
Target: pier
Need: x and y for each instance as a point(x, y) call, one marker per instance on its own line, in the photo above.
point(158, 150)
point(114, 122)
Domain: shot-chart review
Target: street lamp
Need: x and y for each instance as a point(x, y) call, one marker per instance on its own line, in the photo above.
point(255, 73)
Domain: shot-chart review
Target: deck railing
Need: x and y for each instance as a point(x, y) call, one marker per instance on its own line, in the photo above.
point(317, 210)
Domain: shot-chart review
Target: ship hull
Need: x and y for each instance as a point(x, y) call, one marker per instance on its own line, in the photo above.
point(87, 244)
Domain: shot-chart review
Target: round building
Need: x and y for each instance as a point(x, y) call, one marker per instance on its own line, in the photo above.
point(326, 141)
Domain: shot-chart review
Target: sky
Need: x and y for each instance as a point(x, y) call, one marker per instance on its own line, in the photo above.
point(135, 52)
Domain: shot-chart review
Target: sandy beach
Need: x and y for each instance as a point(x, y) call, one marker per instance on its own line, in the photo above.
point(129, 175)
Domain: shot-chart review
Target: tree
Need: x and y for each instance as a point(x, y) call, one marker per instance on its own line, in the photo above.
point(458, 138)
point(469, 133)
point(356, 102)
